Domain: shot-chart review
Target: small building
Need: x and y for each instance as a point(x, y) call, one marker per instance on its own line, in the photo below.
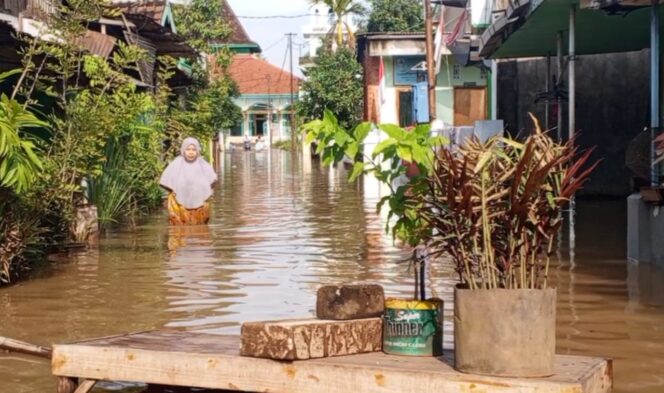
point(266, 96)
point(267, 93)
point(462, 84)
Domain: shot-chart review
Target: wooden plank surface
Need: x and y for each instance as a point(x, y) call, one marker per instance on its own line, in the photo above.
point(210, 361)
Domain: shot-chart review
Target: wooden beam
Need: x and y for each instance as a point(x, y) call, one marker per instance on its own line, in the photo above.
point(85, 386)
point(23, 347)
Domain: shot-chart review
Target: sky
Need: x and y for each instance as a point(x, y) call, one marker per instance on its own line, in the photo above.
point(270, 34)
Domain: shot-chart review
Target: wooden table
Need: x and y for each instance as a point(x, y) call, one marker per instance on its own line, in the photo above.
point(209, 361)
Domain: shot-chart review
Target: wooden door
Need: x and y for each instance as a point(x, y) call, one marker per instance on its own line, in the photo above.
point(405, 106)
point(469, 105)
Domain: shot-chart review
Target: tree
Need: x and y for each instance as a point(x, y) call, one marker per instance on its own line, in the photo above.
point(333, 83)
point(210, 107)
point(395, 16)
point(341, 9)
point(200, 23)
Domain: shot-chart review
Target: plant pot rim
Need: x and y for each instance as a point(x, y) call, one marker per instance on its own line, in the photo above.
point(458, 287)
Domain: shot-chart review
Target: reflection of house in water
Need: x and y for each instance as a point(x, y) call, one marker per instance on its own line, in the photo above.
point(265, 89)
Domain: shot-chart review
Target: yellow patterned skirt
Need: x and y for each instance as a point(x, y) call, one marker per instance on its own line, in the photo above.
point(179, 215)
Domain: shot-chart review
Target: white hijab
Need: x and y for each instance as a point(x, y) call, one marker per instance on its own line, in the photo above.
point(191, 181)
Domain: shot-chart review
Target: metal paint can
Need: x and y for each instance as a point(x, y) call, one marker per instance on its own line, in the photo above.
point(413, 327)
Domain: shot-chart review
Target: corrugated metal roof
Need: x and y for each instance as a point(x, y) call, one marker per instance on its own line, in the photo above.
point(152, 9)
point(98, 43)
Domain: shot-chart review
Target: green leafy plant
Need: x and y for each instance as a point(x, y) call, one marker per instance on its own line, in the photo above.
point(395, 16)
point(19, 163)
point(399, 161)
point(21, 235)
point(113, 190)
point(333, 83)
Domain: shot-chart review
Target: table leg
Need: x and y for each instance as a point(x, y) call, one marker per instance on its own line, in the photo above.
point(67, 385)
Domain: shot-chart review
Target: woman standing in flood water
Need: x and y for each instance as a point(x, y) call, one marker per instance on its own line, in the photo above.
point(188, 179)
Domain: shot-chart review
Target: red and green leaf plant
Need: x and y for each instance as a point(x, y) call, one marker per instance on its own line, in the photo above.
point(495, 206)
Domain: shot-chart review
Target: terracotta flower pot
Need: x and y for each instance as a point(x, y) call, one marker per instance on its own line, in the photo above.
point(505, 332)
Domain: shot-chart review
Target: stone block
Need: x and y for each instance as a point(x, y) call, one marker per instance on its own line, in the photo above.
point(310, 338)
point(347, 302)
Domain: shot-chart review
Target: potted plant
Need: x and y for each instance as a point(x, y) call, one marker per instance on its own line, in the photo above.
point(412, 326)
point(495, 208)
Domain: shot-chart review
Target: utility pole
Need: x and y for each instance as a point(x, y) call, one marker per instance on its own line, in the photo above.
point(431, 72)
point(269, 106)
point(292, 91)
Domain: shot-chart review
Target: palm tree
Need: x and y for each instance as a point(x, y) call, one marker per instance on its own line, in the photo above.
point(341, 9)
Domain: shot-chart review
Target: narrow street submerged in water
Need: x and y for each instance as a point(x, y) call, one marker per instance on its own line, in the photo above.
point(282, 226)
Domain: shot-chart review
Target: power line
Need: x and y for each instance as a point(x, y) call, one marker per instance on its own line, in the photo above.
point(274, 44)
point(283, 64)
point(275, 16)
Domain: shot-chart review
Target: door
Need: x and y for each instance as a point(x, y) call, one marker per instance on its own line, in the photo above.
point(469, 105)
point(405, 108)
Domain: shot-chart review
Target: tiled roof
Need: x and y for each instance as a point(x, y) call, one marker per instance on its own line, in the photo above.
point(254, 75)
point(238, 34)
point(153, 9)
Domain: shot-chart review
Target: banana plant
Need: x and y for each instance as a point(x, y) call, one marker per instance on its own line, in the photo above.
point(19, 163)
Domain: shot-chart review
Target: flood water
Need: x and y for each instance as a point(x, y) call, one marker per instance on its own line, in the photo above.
point(282, 226)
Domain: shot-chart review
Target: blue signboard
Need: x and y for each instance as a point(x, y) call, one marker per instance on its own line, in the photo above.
point(403, 70)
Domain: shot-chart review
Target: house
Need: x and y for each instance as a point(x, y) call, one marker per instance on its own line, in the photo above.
point(267, 92)
point(148, 24)
point(601, 99)
point(462, 88)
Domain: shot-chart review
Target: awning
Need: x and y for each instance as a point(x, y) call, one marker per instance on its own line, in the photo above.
point(531, 31)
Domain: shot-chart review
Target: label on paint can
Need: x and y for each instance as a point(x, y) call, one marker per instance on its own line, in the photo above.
point(412, 328)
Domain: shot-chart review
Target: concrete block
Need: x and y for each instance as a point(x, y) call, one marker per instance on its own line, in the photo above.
point(347, 302)
point(310, 338)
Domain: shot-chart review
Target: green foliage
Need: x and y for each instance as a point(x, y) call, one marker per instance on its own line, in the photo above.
point(389, 162)
point(333, 83)
point(19, 163)
point(200, 23)
point(20, 235)
point(92, 103)
point(113, 191)
point(396, 16)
